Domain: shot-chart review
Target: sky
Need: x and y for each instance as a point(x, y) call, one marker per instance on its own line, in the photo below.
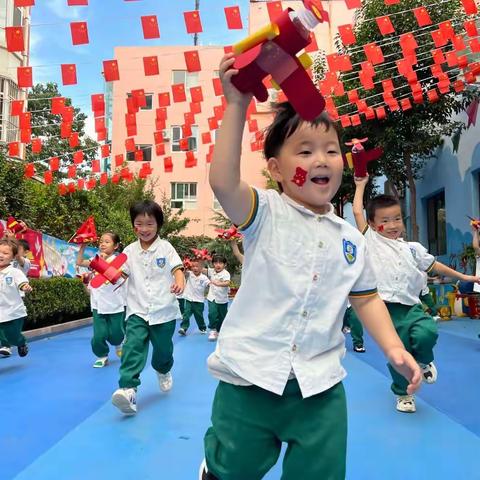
point(113, 23)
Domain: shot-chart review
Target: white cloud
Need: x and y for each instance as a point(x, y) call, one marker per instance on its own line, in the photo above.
point(62, 10)
point(90, 127)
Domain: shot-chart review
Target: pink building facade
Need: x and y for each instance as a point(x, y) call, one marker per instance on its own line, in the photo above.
point(189, 187)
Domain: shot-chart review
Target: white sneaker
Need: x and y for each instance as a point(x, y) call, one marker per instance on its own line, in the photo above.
point(101, 362)
point(5, 351)
point(212, 336)
point(203, 470)
point(125, 399)
point(406, 404)
point(429, 372)
point(165, 381)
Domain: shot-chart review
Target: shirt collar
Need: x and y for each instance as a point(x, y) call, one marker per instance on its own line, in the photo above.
point(151, 248)
point(6, 270)
point(330, 214)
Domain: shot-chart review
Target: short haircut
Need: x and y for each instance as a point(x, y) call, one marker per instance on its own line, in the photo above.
point(219, 259)
point(23, 243)
point(147, 207)
point(10, 243)
point(380, 201)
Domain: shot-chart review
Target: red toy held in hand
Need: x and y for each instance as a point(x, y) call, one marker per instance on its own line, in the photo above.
point(107, 271)
point(87, 233)
point(359, 157)
point(16, 226)
point(474, 223)
point(228, 234)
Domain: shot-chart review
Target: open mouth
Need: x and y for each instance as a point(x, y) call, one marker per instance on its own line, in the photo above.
point(320, 180)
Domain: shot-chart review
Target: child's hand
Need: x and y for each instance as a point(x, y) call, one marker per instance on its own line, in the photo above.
point(471, 278)
point(26, 288)
point(406, 365)
point(176, 288)
point(361, 180)
point(9, 235)
point(232, 95)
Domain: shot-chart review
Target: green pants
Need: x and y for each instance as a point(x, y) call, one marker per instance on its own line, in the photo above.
point(428, 302)
point(249, 425)
point(107, 327)
point(11, 333)
point(195, 308)
point(356, 330)
point(216, 315)
point(181, 304)
point(418, 333)
point(135, 349)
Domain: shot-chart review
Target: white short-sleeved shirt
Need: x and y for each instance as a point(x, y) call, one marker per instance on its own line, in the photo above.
point(150, 279)
point(108, 298)
point(218, 294)
point(400, 267)
point(27, 264)
point(11, 302)
point(292, 322)
point(195, 287)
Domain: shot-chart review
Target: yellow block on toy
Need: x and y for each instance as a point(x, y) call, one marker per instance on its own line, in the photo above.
point(445, 313)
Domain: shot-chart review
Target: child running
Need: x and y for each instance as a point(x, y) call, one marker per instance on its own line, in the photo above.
point(278, 358)
point(217, 295)
point(107, 303)
point(155, 276)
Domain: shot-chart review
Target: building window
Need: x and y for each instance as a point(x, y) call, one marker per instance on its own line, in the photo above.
point(177, 135)
point(436, 224)
point(184, 195)
point(189, 79)
point(149, 101)
point(17, 17)
point(147, 153)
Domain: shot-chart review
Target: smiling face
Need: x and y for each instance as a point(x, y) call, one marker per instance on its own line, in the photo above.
point(315, 150)
point(106, 244)
point(145, 228)
point(6, 255)
point(388, 222)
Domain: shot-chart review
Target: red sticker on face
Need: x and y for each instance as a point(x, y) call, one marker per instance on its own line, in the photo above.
point(381, 228)
point(300, 177)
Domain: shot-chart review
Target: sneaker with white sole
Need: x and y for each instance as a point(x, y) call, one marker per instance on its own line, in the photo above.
point(5, 351)
point(406, 404)
point(429, 372)
point(165, 380)
point(204, 474)
point(101, 362)
point(23, 350)
point(212, 336)
point(125, 399)
point(203, 331)
point(182, 332)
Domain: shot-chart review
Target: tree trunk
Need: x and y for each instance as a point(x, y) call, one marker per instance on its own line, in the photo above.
point(413, 196)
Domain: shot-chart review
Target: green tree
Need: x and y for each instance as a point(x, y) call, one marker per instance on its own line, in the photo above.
point(409, 138)
point(12, 187)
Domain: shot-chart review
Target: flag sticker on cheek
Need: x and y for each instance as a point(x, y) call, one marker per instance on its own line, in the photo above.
point(300, 177)
point(380, 228)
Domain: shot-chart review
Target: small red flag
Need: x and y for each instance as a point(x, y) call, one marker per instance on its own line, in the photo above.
point(164, 99)
point(119, 160)
point(212, 123)
point(130, 144)
point(13, 149)
point(29, 170)
point(234, 20)
point(95, 166)
point(105, 149)
point(24, 3)
point(193, 21)
point(190, 160)
point(36, 145)
point(71, 171)
point(139, 98)
point(351, 4)
point(161, 114)
point(69, 74)
point(74, 140)
point(373, 53)
point(79, 33)
point(347, 34)
point(385, 25)
point(87, 233)
point(168, 164)
point(77, 3)
point(16, 107)
point(471, 28)
point(217, 86)
point(110, 70)
point(150, 27)
point(195, 107)
point(186, 131)
point(138, 155)
point(47, 177)
point(150, 65)
point(54, 164)
point(24, 77)
point(14, 38)
point(65, 129)
point(25, 120)
point(78, 157)
point(206, 138)
point(160, 149)
point(178, 92)
point(422, 16)
point(196, 94)
point(62, 189)
point(189, 118)
point(470, 7)
point(192, 61)
point(58, 105)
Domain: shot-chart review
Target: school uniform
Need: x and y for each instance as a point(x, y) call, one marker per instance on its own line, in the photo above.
point(400, 267)
point(151, 309)
point(194, 295)
point(217, 299)
point(108, 311)
point(12, 309)
point(279, 354)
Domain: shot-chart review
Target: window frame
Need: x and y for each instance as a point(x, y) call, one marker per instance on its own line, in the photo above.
point(179, 195)
point(147, 149)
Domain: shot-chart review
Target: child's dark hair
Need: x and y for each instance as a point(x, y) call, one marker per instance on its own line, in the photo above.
point(219, 259)
point(116, 240)
point(285, 124)
point(147, 207)
point(10, 243)
point(23, 243)
point(380, 201)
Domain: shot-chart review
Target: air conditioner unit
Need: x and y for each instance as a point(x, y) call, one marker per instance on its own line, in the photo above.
point(166, 134)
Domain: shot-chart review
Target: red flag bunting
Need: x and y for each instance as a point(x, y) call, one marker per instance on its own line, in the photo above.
point(36, 145)
point(79, 32)
point(29, 170)
point(347, 34)
point(14, 39)
point(234, 20)
point(57, 105)
point(385, 25)
point(422, 16)
point(193, 22)
point(73, 140)
point(178, 92)
point(69, 74)
point(274, 10)
point(110, 70)
point(150, 65)
point(168, 164)
point(150, 27)
point(16, 107)
point(24, 77)
point(192, 61)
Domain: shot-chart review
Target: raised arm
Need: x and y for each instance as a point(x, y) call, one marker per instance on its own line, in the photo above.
point(236, 251)
point(233, 194)
point(81, 262)
point(450, 272)
point(360, 185)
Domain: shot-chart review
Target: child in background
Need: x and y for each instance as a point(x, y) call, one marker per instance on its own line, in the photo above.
point(236, 250)
point(217, 295)
point(355, 329)
point(12, 309)
point(194, 296)
point(278, 357)
point(155, 278)
point(107, 303)
point(400, 268)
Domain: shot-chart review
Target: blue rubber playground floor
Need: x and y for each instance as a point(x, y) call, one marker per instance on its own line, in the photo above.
point(57, 421)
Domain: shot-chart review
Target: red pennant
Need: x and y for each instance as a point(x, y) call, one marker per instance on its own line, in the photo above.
point(458, 43)
point(58, 104)
point(47, 177)
point(72, 171)
point(432, 95)
point(29, 170)
point(186, 131)
point(452, 59)
point(351, 4)
point(193, 22)
point(73, 140)
point(192, 61)
point(161, 114)
point(95, 166)
point(36, 145)
point(67, 114)
point(190, 160)
point(438, 56)
point(150, 27)
point(168, 164)
point(206, 138)
point(385, 25)
point(130, 144)
point(105, 151)
point(164, 99)
point(150, 65)
point(196, 94)
point(352, 95)
point(26, 135)
point(189, 118)
point(405, 104)
point(54, 164)
point(78, 3)
point(110, 70)
point(78, 157)
point(65, 129)
point(470, 7)
point(14, 149)
point(373, 53)
point(313, 45)
point(391, 2)
point(474, 45)
point(62, 189)
point(347, 34)
point(87, 232)
point(408, 44)
point(160, 149)
point(355, 119)
point(24, 3)
point(98, 104)
point(178, 93)
point(195, 107)
point(274, 10)
point(139, 98)
point(458, 86)
point(25, 120)
point(115, 178)
point(16, 107)
point(79, 33)
point(438, 38)
point(119, 160)
point(471, 28)
point(14, 39)
point(183, 144)
point(447, 30)
point(104, 178)
point(24, 77)
point(212, 123)
point(138, 155)
point(217, 86)
point(422, 16)
point(69, 74)
point(234, 20)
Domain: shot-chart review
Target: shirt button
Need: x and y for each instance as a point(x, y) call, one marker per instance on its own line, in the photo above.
point(305, 313)
point(319, 219)
point(320, 244)
point(315, 278)
point(294, 348)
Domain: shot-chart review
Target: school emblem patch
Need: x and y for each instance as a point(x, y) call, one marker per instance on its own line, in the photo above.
point(9, 280)
point(161, 261)
point(349, 251)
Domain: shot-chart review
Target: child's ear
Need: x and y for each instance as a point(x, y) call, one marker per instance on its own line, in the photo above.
point(274, 169)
